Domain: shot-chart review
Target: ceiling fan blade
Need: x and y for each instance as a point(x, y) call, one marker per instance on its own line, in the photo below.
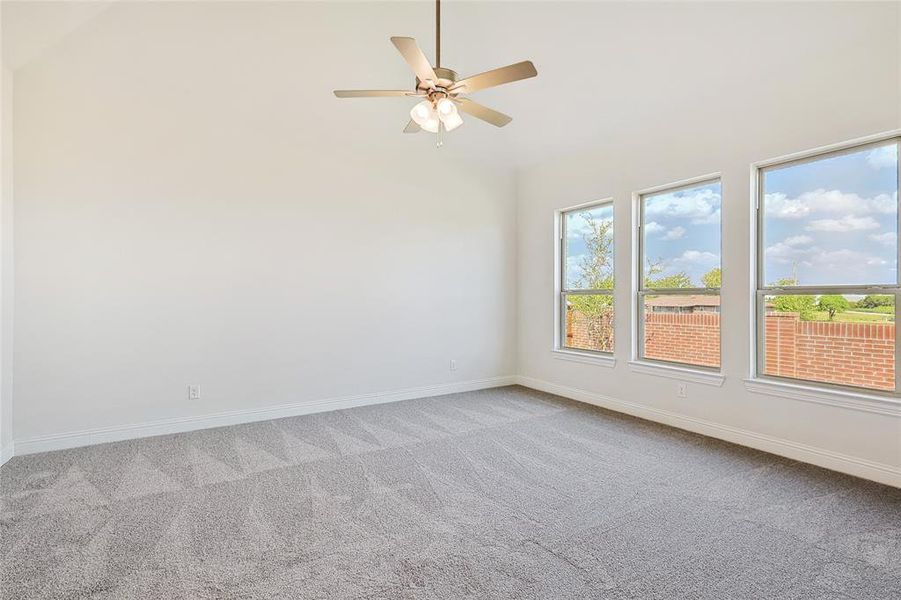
point(508, 74)
point(374, 93)
point(489, 115)
point(412, 127)
point(416, 59)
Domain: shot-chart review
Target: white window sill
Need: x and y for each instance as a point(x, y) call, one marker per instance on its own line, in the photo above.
point(808, 393)
point(680, 373)
point(588, 358)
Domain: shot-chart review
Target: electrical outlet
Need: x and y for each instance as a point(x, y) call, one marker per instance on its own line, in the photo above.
point(453, 365)
point(193, 392)
point(682, 390)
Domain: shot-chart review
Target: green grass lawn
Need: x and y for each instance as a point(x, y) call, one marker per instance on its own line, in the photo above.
point(885, 310)
point(854, 317)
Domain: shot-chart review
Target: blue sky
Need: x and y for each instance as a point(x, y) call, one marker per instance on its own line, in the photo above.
point(682, 231)
point(833, 220)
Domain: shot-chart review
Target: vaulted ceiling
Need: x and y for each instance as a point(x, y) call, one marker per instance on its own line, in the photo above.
point(32, 28)
point(604, 68)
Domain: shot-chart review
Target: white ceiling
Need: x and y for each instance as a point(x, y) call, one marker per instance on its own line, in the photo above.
point(604, 68)
point(32, 28)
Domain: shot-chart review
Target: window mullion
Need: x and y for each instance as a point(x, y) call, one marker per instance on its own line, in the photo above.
point(589, 292)
point(830, 289)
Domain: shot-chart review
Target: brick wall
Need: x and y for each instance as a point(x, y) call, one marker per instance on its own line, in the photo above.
point(860, 354)
point(683, 337)
point(857, 354)
point(780, 332)
point(589, 333)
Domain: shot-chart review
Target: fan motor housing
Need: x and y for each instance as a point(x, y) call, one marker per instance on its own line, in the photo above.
point(446, 78)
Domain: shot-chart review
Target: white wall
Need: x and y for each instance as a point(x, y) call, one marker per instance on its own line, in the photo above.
point(193, 206)
point(768, 80)
point(6, 262)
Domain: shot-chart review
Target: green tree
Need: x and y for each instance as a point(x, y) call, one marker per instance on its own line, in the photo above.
point(833, 304)
point(677, 280)
point(876, 300)
point(597, 263)
point(787, 281)
point(597, 273)
point(713, 278)
point(805, 306)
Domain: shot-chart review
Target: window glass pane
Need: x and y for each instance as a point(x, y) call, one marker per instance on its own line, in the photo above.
point(589, 322)
point(833, 221)
point(682, 328)
point(846, 340)
point(681, 237)
point(588, 249)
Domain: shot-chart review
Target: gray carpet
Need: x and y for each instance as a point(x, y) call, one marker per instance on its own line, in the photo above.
point(506, 493)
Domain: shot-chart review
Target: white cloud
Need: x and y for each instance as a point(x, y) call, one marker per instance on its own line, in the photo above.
point(845, 260)
point(780, 206)
point(675, 233)
point(700, 206)
point(839, 261)
point(889, 238)
point(885, 204)
point(712, 219)
point(794, 248)
point(883, 157)
point(654, 227)
point(696, 257)
point(846, 223)
point(784, 253)
point(797, 240)
point(578, 225)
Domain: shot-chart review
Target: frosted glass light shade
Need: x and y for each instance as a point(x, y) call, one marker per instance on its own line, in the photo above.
point(445, 108)
point(451, 121)
point(422, 113)
point(431, 125)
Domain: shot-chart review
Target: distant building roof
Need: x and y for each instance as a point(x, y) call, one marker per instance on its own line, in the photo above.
point(681, 300)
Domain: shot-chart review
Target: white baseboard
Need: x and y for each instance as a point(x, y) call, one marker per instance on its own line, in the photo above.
point(103, 435)
point(874, 471)
point(6, 453)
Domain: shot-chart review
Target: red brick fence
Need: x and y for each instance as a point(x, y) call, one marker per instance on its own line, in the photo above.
point(683, 337)
point(858, 354)
point(861, 354)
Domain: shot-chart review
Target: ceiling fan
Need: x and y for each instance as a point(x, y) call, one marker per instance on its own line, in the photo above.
point(441, 88)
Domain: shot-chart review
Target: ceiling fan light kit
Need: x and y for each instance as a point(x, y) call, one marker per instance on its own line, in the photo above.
point(441, 89)
point(430, 116)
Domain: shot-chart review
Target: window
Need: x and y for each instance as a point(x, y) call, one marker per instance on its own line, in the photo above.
point(679, 275)
point(586, 278)
point(827, 268)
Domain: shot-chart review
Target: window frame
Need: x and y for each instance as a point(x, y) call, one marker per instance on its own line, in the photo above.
point(640, 291)
point(561, 291)
point(759, 289)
